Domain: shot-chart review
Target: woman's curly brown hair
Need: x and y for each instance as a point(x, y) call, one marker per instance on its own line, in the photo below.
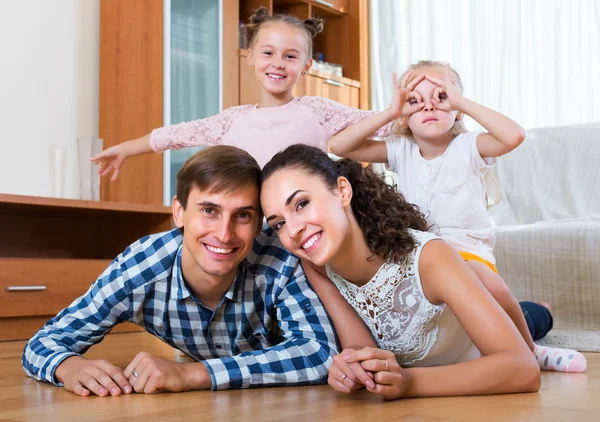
point(382, 213)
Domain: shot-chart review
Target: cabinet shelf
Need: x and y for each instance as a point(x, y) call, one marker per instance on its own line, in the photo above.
point(52, 250)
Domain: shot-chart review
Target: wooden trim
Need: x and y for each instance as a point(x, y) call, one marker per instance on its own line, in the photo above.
point(131, 93)
point(365, 57)
point(23, 202)
point(231, 72)
point(23, 328)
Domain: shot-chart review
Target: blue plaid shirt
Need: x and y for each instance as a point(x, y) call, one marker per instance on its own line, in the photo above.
point(269, 329)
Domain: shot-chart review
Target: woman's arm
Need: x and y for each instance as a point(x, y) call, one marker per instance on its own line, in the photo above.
point(351, 331)
point(349, 327)
point(507, 365)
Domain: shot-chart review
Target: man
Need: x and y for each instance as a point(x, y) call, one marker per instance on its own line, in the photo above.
point(239, 306)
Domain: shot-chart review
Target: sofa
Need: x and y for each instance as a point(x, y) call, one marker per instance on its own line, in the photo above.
point(547, 222)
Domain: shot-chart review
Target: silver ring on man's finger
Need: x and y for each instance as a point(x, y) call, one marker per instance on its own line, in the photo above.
point(343, 378)
point(386, 364)
point(135, 374)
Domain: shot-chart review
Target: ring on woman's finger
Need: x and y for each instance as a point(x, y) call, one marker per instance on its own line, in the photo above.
point(386, 364)
point(343, 378)
point(135, 374)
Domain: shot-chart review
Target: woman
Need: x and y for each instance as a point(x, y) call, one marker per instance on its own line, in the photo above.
point(438, 330)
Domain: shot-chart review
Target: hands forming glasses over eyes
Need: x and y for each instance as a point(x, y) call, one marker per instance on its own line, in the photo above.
point(407, 101)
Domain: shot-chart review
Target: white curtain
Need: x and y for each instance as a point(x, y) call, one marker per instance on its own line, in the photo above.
point(537, 61)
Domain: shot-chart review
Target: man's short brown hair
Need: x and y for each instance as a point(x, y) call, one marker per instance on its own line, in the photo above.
point(217, 169)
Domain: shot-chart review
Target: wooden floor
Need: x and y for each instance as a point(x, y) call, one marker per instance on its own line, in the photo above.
point(563, 397)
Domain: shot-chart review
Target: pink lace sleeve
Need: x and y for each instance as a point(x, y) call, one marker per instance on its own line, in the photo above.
point(335, 117)
point(209, 131)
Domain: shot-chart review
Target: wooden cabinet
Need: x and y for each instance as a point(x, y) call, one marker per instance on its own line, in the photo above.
point(342, 90)
point(135, 82)
point(337, 5)
point(52, 250)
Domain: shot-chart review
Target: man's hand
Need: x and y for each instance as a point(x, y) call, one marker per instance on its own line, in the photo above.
point(84, 377)
point(151, 374)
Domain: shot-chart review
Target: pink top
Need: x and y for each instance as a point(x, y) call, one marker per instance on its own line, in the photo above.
point(263, 132)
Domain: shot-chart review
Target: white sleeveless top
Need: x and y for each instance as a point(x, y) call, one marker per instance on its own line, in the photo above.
point(401, 319)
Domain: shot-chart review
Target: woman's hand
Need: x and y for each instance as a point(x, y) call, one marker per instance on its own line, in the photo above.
point(406, 101)
point(446, 96)
point(346, 377)
point(390, 379)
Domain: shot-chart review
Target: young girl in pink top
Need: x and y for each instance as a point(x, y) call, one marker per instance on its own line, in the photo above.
point(280, 51)
point(441, 169)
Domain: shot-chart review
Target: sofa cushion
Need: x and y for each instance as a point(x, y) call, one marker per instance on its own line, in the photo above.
point(553, 175)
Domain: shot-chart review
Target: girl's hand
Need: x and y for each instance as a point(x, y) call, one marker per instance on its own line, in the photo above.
point(347, 377)
point(406, 101)
point(390, 378)
point(111, 159)
point(446, 96)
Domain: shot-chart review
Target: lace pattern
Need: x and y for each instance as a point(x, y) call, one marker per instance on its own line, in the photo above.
point(209, 131)
point(393, 306)
point(334, 116)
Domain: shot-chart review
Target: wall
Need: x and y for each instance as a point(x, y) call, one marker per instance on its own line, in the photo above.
point(48, 90)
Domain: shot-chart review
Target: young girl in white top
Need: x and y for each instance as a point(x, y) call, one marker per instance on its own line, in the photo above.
point(280, 52)
point(438, 330)
point(441, 169)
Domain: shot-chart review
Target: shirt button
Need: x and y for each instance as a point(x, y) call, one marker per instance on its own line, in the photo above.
point(219, 346)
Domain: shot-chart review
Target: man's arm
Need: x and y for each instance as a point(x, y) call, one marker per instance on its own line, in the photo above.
point(302, 358)
point(76, 328)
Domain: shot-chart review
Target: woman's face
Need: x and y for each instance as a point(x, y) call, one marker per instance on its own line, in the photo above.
point(309, 218)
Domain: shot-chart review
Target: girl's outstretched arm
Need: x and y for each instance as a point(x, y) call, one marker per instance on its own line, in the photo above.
point(208, 131)
point(507, 364)
point(113, 158)
point(353, 141)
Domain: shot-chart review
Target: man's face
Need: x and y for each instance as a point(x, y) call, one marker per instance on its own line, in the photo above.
point(219, 230)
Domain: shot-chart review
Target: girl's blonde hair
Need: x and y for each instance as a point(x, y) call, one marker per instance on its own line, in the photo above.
point(310, 27)
point(459, 126)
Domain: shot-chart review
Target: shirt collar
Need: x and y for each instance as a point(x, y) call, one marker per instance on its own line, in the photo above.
point(180, 290)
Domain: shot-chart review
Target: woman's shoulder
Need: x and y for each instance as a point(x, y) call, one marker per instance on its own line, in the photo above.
point(422, 237)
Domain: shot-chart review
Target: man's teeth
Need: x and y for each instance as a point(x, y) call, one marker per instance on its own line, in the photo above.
point(275, 76)
point(311, 241)
point(218, 250)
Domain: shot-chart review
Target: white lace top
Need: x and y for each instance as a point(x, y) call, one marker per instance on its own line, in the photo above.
point(401, 319)
point(263, 132)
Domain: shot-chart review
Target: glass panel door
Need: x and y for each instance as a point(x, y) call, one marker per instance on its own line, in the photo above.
point(192, 71)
